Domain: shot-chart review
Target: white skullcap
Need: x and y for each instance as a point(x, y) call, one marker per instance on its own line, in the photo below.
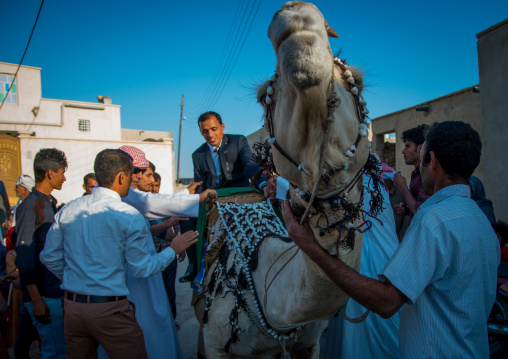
point(26, 181)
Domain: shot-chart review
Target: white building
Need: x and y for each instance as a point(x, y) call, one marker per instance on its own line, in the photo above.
point(29, 122)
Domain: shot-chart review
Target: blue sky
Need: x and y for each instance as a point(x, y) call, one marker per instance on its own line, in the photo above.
point(146, 54)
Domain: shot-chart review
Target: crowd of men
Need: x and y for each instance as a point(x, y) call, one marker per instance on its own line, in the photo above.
point(97, 278)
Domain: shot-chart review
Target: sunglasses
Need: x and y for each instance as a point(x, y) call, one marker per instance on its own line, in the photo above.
point(137, 170)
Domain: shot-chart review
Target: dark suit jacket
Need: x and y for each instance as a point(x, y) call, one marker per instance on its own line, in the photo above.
point(236, 162)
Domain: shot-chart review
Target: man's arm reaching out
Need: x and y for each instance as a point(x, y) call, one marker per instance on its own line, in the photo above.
point(380, 297)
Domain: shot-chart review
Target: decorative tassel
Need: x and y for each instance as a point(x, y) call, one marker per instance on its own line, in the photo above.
point(205, 316)
point(220, 289)
point(349, 241)
point(227, 346)
point(242, 281)
point(234, 314)
point(211, 285)
point(234, 336)
point(231, 272)
point(261, 155)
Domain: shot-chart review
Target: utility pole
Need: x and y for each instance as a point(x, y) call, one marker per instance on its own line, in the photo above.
point(179, 140)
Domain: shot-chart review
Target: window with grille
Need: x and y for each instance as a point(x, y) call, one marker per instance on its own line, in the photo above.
point(84, 125)
point(5, 85)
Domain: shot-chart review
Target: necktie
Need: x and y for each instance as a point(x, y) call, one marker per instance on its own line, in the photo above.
point(216, 162)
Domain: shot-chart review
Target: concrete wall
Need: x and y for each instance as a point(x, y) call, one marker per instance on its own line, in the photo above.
point(81, 156)
point(29, 93)
point(148, 136)
point(55, 118)
point(493, 67)
point(463, 105)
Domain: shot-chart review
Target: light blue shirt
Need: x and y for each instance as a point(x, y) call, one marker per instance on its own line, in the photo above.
point(215, 158)
point(447, 266)
point(92, 239)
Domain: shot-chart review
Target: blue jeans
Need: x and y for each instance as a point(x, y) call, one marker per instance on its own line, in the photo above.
point(52, 334)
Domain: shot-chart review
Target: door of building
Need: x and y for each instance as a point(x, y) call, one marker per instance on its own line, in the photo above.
point(10, 164)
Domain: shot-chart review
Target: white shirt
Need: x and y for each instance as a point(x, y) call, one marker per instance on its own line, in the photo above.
point(160, 206)
point(92, 239)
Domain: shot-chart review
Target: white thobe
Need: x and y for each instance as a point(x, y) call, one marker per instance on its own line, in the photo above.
point(375, 337)
point(160, 206)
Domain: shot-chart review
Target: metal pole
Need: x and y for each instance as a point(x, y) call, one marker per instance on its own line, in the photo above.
point(179, 140)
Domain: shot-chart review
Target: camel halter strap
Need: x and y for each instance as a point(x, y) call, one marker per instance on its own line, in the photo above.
point(342, 312)
point(333, 103)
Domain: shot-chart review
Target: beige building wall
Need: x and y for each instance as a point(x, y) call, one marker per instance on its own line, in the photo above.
point(463, 105)
point(81, 156)
point(493, 67)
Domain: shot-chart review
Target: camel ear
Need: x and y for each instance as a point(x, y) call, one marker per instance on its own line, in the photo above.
point(330, 32)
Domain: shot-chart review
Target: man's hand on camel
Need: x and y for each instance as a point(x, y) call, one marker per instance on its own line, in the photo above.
point(209, 196)
point(183, 241)
point(192, 187)
point(270, 190)
point(302, 235)
point(400, 209)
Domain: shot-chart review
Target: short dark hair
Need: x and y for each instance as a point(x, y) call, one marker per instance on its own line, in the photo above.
point(156, 176)
point(48, 159)
point(110, 162)
point(87, 177)
point(416, 135)
point(456, 145)
point(150, 165)
point(205, 116)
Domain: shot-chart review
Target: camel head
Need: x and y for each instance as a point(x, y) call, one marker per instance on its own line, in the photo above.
point(313, 105)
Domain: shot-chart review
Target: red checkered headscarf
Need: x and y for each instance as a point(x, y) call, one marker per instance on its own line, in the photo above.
point(138, 157)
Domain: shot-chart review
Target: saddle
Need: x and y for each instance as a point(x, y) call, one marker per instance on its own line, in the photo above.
point(213, 231)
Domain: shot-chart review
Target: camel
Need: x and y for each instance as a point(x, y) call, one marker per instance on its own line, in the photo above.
point(315, 114)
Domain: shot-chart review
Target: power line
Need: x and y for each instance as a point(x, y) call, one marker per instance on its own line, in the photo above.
point(233, 55)
point(232, 50)
point(228, 40)
point(236, 59)
point(24, 53)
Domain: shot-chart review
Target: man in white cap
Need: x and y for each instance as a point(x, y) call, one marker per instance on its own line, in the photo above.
point(24, 185)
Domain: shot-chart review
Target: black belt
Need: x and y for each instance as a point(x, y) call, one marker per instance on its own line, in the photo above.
point(81, 298)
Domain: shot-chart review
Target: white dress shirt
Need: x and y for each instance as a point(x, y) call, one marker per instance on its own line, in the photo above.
point(92, 239)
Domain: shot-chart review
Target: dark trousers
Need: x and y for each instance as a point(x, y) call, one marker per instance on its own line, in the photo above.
point(186, 226)
point(113, 325)
point(169, 277)
point(25, 335)
point(3, 321)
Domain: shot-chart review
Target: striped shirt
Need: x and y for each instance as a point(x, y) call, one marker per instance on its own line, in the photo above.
point(447, 267)
point(416, 189)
